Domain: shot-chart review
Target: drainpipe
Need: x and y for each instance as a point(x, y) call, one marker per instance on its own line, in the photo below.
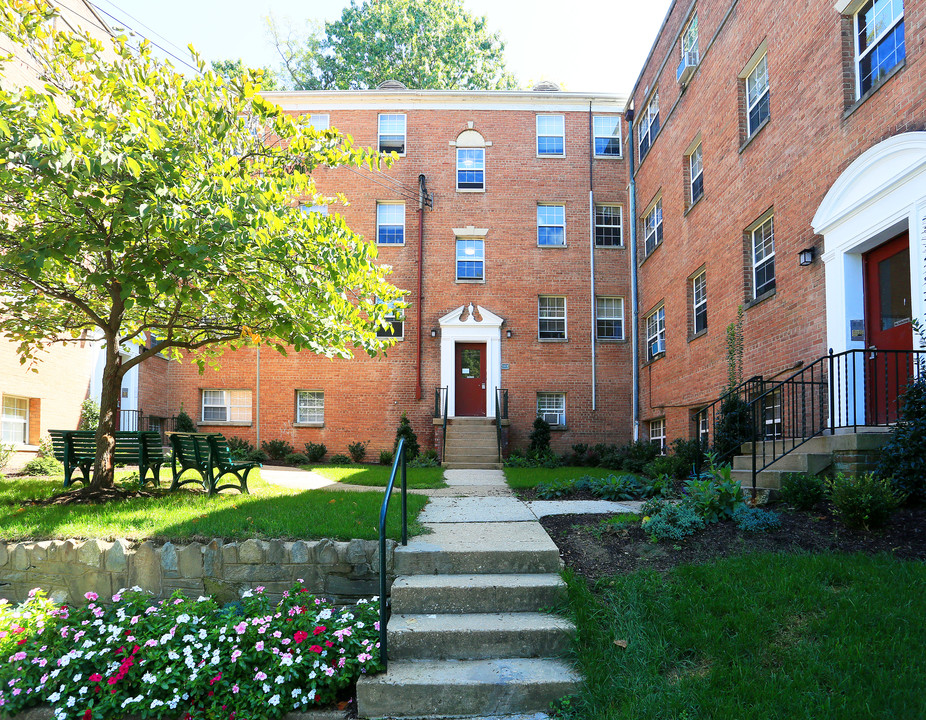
point(258, 397)
point(422, 194)
point(591, 244)
point(634, 304)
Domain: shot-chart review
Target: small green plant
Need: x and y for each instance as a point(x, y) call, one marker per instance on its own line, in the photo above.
point(636, 456)
point(616, 487)
point(184, 423)
point(615, 524)
point(671, 465)
point(863, 502)
point(43, 466)
point(315, 451)
point(357, 450)
point(386, 457)
point(716, 496)
point(802, 491)
point(423, 462)
point(276, 449)
point(339, 459)
point(412, 448)
point(431, 454)
point(89, 415)
point(753, 519)
point(689, 454)
point(296, 459)
point(539, 438)
point(661, 486)
point(6, 453)
point(672, 521)
point(734, 427)
point(903, 459)
point(46, 447)
point(257, 456)
point(555, 489)
point(239, 447)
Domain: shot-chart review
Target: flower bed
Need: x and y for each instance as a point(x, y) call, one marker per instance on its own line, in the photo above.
point(181, 657)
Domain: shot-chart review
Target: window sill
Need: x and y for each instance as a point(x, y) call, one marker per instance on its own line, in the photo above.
point(553, 247)
point(693, 205)
point(223, 423)
point(551, 155)
point(386, 245)
point(609, 247)
point(748, 141)
point(762, 298)
point(558, 428)
point(612, 341)
point(654, 359)
point(609, 157)
point(553, 340)
point(874, 88)
point(465, 281)
point(650, 254)
point(308, 424)
point(471, 190)
point(699, 334)
point(392, 152)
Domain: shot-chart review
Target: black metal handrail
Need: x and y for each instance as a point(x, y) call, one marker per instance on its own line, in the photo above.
point(715, 412)
point(137, 420)
point(385, 604)
point(441, 404)
point(501, 413)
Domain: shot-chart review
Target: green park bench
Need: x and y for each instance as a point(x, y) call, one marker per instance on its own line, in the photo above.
point(76, 450)
point(143, 448)
point(207, 454)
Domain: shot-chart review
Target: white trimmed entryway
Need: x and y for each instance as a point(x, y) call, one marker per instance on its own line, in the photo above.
point(471, 324)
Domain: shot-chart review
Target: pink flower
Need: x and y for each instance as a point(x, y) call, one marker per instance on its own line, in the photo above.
point(96, 677)
point(215, 679)
point(117, 597)
point(259, 589)
point(319, 630)
point(235, 689)
point(316, 649)
point(260, 675)
point(18, 656)
point(259, 645)
point(300, 636)
point(91, 595)
point(241, 627)
point(235, 655)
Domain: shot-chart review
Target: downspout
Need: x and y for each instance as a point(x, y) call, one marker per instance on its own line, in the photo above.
point(634, 303)
point(422, 193)
point(258, 396)
point(591, 244)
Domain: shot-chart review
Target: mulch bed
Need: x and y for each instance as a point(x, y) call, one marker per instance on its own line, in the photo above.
point(595, 554)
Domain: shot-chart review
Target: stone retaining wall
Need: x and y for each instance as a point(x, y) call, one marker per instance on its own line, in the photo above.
point(67, 569)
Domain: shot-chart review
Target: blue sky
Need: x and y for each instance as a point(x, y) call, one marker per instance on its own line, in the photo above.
point(584, 45)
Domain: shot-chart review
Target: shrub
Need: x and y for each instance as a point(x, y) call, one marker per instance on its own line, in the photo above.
point(670, 465)
point(357, 450)
point(660, 486)
point(715, 497)
point(635, 456)
point(431, 454)
point(412, 448)
point(239, 447)
point(43, 466)
point(46, 447)
point(690, 456)
point(6, 452)
point(863, 501)
point(616, 487)
point(555, 489)
point(184, 423)
point(89, 415)
point(257, 456)
point(277, 449)
point(296, 459)
point(422, 461)
point(545, 460)
point(801, 490)
point(903, 458)
point(339, 459)
point(733, 428)
point(386, 457)
point(753, 519)
point(315, 451)
point(671, 522)
point(539, 438)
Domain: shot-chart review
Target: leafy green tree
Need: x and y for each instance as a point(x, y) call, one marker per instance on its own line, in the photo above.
point(424, 44)
point(231, 70)
point(135, 201)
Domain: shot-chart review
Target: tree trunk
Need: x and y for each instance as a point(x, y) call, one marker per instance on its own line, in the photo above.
point(104, 468)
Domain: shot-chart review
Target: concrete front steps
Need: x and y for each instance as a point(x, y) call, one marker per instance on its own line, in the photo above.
point(466, 638)
point(472, 443)
point(813, 457)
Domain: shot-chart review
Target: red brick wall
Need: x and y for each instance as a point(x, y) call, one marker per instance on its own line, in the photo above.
point(812, 136)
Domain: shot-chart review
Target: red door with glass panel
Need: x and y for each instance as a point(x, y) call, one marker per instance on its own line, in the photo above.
point(470, 380)
point(888, 327)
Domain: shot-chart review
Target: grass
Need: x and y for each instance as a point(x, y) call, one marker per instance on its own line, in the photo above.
point(378, 475)
point(529, 477)
point(269, 511)
point(760, 636)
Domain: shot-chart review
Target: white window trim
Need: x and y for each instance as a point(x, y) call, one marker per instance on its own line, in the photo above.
point(538, 136)
point(695, 305)
point(620, 224)
point(877, 41)
point(561, 403)
point(320, 119)
point(457, 174)
point(619, 136)
point(389, 202)
point(620, 317)
point(457, 260)
point(309, 423)
point(658, 336)
point(227, 392)
point(692, 22)
point(661, 438)
point(646, 121)
point(25, 423)
point(758, 56)
point(692, 177)
point(650, 211)
point(539, 224)
point(393, 317)
point(753, 229)
point(379, 131)
point(564, 318)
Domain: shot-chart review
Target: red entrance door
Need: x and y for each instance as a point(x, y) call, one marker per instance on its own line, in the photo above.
point(471, 379)
point(888, 328)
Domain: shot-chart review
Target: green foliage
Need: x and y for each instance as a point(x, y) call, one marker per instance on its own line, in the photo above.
point(689, 455)
point(903, 458)
point(548, 459)
point(89, 415)
point(863, 502)
point(714, 497)
point(801, 490)
point(672, 521)
point(357, 450)
point(734, 427)
point(386, 457)
point(46, 447)
point(43, 466)
point(184, 423)
point(670, 465)
point(635, 456)
point(424, 44)
point(6, 452)
point(555, 489)
point(539, 438)
point(315, 451)
point(339, 459)
point(431, 454)
point(277, 449)
point(296, 458)
point(238, 447)
point(617, 487)
point(258, 456)
point(412, 448)
point(423, 461)
point(236, 71)
point(753, 519)
point(735, 350)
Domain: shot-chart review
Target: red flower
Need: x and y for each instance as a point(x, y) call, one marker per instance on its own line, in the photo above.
point(300, 636)
point(16, 630)
point(88, 714)
point(21, 642)
point(319, 630)
point(215, 679)
point(112, 681)
point(96, 677)
point(329, 643)
point(316, 649)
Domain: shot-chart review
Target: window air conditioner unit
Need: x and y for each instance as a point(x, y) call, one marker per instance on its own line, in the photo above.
point(552, 418)
point(657, 347)
point(687, 67)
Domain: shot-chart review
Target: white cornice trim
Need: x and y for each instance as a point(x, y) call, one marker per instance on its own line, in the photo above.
point(470, 232)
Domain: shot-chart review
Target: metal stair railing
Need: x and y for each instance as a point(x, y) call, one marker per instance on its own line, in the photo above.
point(385, 603)
point(441, 403)
point(501, 413)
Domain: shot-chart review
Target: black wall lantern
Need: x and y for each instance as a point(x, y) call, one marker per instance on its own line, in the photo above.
point(807, 256)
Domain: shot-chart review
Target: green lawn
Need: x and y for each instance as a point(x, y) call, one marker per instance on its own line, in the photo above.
point(269, 511)
point(779, 636)
point(529, 477)
point(378, 475)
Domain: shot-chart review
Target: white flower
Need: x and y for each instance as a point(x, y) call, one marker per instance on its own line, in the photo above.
point(183, 618)
point(72, 701)
point(280, 680)
point(275, 700)
point(54, 697)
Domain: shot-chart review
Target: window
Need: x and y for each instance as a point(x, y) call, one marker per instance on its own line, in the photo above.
point(551, 315)
point(771, 414)
point(649, 125)
point(609, 314)
point(470, 259)
point(552, 408)
point(879, 41)
point(652, 228)
point(757, 102)
point(390, 223)
point(15, 420)
point(699, 302)
point(763, 257)
point(608, 226)
point(310, 406)
point(607, 135)
point(392, 134)
point(551, 225)
point(226, 406)
point(704, 429)
point(695, 176)
point(657, 434)
point(551, 134)
point(690, 40)
point(656, 333)
point(395, 327)
point(320, 122)
point(471, 168)
point(309, 209)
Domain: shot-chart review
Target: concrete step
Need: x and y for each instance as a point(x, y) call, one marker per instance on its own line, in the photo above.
point(454, 455)
point(795, 461)
point(481, 549)
point(489, 441)
point(445, 689)
point(476, 593)
point(830, 443)
point(472, 466)
point(765, 480)
point(469, 421)
point(478, 636)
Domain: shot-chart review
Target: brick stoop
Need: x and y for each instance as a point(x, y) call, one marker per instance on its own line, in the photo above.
point(472, 443)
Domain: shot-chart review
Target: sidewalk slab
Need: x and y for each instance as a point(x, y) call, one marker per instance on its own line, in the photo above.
point(542, 508)
point(474, 477)
point(476, 509)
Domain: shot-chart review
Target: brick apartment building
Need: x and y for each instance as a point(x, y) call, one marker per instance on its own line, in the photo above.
point(763, 131)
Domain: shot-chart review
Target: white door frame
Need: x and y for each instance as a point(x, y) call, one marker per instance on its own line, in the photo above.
point(462, 326)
